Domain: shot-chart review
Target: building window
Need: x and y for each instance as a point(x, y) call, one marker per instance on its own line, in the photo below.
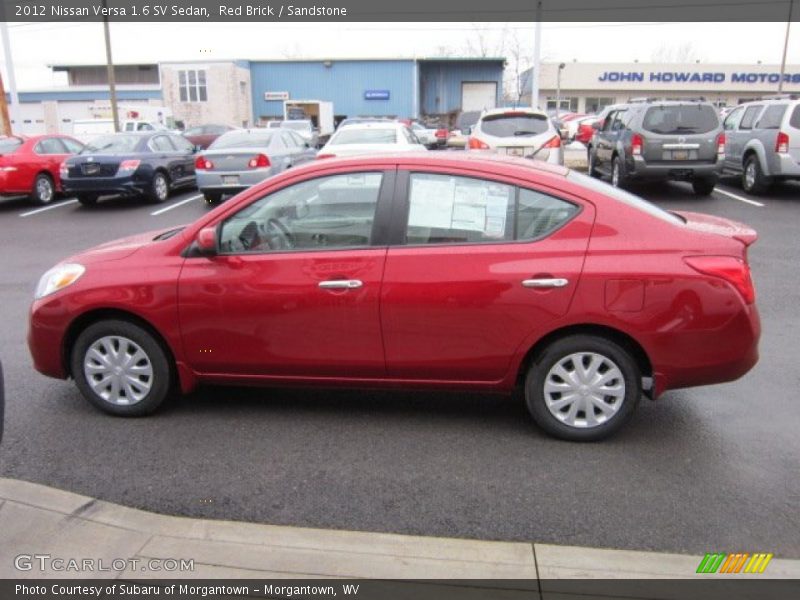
point(596, 104)
point(567, 103)
point(192, 85)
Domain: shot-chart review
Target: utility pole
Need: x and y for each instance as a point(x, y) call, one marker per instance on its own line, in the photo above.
point(537, 50)
point(785, 46)
point(4, 109)
point(110, 69)
point(12, 84)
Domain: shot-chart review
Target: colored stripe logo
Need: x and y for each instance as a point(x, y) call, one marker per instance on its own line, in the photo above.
point(741, 562)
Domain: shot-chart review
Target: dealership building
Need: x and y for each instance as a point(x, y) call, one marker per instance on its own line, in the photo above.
point(588, 87)
point(247, 93)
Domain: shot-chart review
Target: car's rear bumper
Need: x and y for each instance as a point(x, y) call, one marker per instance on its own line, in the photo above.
point(638, 168)
point(123, 186)
point(784, 166)
point(221, 181)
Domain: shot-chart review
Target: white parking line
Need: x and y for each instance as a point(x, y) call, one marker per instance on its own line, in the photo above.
point(176, 205)
point(739, 198)
point(51, 207)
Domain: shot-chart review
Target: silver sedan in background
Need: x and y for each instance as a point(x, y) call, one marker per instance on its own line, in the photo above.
point(242, 158)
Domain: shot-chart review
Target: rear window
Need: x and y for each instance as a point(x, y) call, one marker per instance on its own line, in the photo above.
point(242, 140)
point(514, 124)
point(794, 121)
point(680, 119)
point(298, 125)
point(9, 145)
point(365, 136)
point(624, 197)
point(113, 144)
point(772, 117)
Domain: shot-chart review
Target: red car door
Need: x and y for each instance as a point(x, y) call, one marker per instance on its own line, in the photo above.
point(294, 290)
point(475, 279)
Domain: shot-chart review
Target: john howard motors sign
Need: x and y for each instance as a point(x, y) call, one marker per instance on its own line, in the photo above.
point(701, 77)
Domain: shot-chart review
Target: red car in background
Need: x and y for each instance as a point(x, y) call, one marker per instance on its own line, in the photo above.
point(203, 135)
point(586, 131)
point(30, 165)
point(450, 271)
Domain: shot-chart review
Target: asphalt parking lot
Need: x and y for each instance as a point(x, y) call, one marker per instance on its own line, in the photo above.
point(701, 470)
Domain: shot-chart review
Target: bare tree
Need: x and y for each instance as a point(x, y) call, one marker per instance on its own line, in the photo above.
point(518, 77)
point(668, 53)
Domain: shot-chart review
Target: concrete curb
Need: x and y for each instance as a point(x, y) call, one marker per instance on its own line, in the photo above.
point(36, 519)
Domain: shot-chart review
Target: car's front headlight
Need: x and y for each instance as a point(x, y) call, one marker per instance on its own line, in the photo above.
point(58, 278)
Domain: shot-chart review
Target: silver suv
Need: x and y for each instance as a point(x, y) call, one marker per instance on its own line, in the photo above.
point(762, 142)
point(525, 132)
point(652, 140)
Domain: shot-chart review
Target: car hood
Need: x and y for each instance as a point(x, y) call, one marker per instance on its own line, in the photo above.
point(120, 248)
point(720, 226)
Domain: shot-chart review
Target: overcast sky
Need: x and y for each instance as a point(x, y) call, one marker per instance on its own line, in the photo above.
point(35, 45)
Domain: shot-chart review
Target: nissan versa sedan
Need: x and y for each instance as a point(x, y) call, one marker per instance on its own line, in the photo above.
point(148, 164)
point(243, 157)
point(452, 271)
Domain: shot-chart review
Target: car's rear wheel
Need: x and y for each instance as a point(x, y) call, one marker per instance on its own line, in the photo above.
point(43, 190)
point(159, 188)
point(212, 198)
point(618, 178)
point(121, 368)
point(583, 388)
point(87, 199)
point(704, 186)
point(753, 179)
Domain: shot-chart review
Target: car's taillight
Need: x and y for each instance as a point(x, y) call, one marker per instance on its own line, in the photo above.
point(782, 143)
point(476, 144)
point(63, 170)
point(721, 143)
point(129, 165)
point(733, 270)
point(441, 133)
point(201, 163)
point(553, 142)
point(326, 156)
point(259, 161)
point(637, 142)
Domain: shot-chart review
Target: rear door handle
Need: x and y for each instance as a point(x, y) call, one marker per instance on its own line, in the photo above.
point(553, 282)
point(341, 284)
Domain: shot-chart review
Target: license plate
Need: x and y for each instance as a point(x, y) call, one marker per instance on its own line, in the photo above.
point(680, 154)
point(91, 169)
point(515, 151)
point(230, 179)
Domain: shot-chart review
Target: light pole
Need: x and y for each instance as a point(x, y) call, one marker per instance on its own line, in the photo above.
point(785, 46)
point(558, 89)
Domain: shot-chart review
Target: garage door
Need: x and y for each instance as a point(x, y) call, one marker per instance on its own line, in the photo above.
point(478, 95)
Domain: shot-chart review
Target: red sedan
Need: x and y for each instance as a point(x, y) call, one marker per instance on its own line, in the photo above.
point(448, 271)
point(30, 165)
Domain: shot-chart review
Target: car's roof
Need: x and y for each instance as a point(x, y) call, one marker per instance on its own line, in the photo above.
point(375, 125)
point(520, 109)
point(473, 159)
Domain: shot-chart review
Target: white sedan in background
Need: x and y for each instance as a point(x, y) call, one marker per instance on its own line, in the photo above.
point(369, 138)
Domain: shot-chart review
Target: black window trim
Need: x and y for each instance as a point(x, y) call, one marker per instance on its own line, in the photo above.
point(402, 206)
point(380, 224)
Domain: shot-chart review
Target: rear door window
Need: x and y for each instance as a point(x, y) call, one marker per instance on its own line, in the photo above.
point(50, 146)
point(750, 116)
point(794, 120)
point(772, 117)
point(680, 119)
point(514, 124)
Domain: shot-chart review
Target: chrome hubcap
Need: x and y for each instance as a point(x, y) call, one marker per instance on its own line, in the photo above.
point(161, 187)
point(44, 189)
point(118, 370)
point(750, 175)
point(584, 390)
point(615, 174)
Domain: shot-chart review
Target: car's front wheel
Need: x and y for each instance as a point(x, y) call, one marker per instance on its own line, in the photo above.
point(618, 178)
point(583, 388)
point(591, 160)
point(121, 368)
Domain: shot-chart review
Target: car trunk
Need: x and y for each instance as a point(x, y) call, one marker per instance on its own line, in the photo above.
point(97, 165)
point(232, 159)
point(680, 134)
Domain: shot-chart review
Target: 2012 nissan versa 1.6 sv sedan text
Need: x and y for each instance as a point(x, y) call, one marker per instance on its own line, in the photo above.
point(416, 271)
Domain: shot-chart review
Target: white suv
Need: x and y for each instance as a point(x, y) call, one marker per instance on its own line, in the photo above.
point(762, 142)
point(525, 132)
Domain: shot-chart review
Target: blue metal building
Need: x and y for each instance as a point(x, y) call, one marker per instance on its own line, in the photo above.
point(378, 87)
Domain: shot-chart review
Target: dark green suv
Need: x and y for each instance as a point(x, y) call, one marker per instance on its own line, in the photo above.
point(646, 141)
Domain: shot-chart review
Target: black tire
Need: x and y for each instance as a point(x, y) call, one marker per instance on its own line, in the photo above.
point(704, 186)
point(609, 354)
point(160, 379)
point(618, 177)
point(760, 182)
point(44, 190)
point(212, 197)
point(591, 163)
point(87, 199)
point(159, 188)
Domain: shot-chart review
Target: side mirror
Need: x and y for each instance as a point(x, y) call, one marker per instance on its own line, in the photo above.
point(206, 241)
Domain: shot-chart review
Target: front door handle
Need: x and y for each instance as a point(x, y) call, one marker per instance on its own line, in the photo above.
point(552, 282)
point(341, 284)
